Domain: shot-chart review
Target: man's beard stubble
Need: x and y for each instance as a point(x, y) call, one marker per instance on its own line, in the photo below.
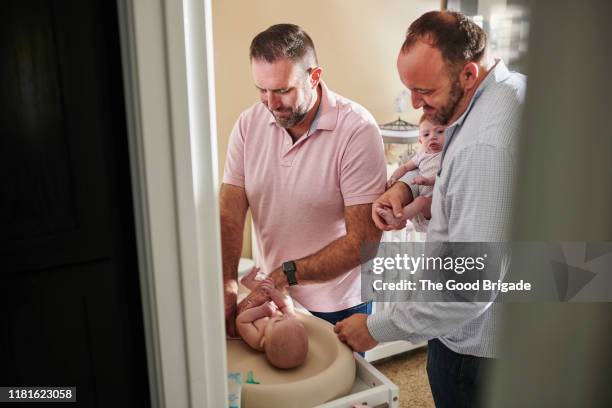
point(298, 114)
point(445, 113)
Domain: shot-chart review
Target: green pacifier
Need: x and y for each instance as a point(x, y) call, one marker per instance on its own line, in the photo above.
point(250, 379)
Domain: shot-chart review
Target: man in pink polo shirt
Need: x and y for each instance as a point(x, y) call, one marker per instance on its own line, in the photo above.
point(309, 163)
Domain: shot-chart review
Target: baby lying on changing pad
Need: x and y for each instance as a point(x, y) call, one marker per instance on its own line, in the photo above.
point(273, 327)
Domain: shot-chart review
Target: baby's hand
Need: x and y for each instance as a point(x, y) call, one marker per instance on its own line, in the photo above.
point(392, 180)
point(388, 216)
point(269, 308)
point(425, 181)
point(267, 285)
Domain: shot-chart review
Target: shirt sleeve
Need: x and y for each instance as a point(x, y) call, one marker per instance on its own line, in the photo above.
point(421, 321)
point(478, 205)
point(233, 172)
point(363, 170)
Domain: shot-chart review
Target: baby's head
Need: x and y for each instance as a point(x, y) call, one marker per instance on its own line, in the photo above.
point(286, 342)
point(431, 136)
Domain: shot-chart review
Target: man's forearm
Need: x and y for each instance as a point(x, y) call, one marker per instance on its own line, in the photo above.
point(231, 244)
point(233, 208)
point(344, 253)
point(338, 257)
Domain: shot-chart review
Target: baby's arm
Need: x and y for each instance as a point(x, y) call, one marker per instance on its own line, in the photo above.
point(244, 323)
point(400, 171)
point(281, 300)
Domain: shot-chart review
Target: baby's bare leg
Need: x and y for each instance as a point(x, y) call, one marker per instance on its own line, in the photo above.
point(417, 206)
point(388, 216)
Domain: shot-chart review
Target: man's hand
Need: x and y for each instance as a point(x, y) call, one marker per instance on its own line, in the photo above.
point(255, 298)
point(230, 294)
point(267, 285)
point(258, 293)
point(395, 198)
point(354, 331)
point(279, 279)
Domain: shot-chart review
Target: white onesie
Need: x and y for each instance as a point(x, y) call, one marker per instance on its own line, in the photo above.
point(428, 164)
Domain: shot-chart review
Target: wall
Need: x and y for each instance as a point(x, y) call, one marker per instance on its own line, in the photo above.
point(357, 42)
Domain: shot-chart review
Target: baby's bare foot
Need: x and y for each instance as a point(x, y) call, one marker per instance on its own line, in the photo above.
point(388, 216)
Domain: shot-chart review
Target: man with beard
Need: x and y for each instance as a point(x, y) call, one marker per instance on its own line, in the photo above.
point(308, 163)
point(444, 62)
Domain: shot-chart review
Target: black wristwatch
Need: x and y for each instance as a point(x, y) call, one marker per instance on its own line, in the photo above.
point(289, 270)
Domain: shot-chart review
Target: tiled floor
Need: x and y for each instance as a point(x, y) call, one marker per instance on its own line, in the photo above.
point(407, 371)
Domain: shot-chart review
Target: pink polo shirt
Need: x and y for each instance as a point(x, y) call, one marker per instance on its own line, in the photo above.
point(297, 192)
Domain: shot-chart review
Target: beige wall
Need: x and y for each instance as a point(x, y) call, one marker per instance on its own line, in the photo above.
point(356, 41)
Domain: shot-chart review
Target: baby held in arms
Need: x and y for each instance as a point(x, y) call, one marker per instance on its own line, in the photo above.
point(273, 327)
point(427, 161)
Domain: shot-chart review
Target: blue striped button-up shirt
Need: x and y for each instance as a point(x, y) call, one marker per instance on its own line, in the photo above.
point(471, 203)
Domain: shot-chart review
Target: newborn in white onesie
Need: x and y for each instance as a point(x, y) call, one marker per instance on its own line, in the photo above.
point(427, 161)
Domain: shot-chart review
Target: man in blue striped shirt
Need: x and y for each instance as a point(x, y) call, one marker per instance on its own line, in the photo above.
point(444, 62)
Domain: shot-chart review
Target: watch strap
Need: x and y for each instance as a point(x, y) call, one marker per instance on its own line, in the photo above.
point(289, 269)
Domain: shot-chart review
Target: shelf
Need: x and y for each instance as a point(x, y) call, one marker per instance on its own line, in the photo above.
point(400, 136)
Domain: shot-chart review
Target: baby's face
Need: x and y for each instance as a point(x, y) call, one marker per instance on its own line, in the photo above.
point(431, 136)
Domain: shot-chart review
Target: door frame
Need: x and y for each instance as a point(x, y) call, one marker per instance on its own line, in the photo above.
point(168, 75)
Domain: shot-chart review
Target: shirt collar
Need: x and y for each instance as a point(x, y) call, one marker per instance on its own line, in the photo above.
point(498, 74)
point(328, 110)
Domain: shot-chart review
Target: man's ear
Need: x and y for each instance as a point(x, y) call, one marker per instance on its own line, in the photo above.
point(315, 76)
point(469, 75)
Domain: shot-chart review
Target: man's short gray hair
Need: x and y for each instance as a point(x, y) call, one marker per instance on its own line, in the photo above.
point(284, 41)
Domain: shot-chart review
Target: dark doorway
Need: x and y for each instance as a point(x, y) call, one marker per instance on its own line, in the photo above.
point(70, 303)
